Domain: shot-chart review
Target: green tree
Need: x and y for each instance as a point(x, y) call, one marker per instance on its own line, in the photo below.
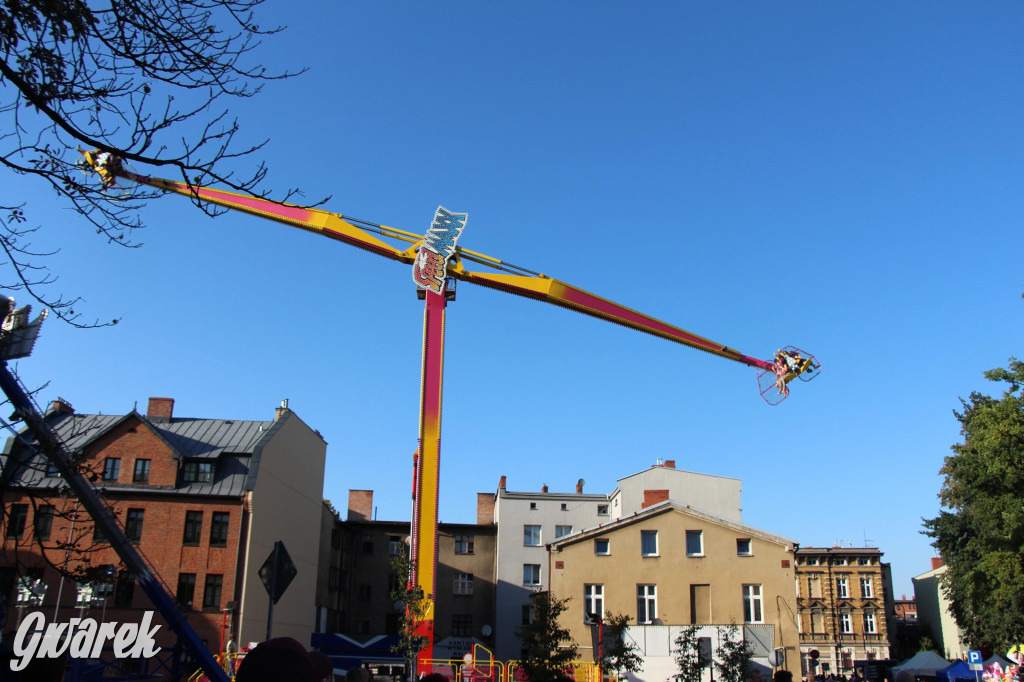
point(619, 654)
point(686, 649)
point(550, 651)
point(980, 531)
point(734, 654)
point(412, 607)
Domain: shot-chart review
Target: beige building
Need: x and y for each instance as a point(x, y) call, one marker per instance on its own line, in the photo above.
point(934, 614)
point(670, 565)
point(842, 599)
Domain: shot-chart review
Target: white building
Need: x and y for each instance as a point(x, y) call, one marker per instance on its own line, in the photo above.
point(528, 521)
point(933, 612)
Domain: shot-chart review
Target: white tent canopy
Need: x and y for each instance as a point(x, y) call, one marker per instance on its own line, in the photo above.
point(923, 664)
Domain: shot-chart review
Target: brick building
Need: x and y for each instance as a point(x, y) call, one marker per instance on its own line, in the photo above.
point(844, 597)
point(201, 498)
point(354, 608)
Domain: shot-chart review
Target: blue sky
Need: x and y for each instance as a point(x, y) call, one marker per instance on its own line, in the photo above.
point(842, 177)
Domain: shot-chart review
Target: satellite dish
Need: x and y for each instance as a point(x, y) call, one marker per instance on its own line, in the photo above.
point(486, 630)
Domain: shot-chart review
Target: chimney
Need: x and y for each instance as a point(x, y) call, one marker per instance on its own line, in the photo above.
point(160, 409)
point(60, 406)
point(501, 483)
point(360, 505)
point(485, 509)
point(544, 488)
point(280, 411)
point(937, 562)
point(579, 486)
point(670, 464)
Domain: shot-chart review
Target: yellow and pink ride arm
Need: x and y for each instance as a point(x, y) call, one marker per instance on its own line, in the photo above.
point(433, 257)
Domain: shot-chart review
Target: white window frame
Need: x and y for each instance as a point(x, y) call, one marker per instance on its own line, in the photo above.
point(750, 547)
point(845, 623)
point(648, 596)
point(870, 624)
point(867, 588)
point(700, 541)
point(533, 573)
point(593, 601)
point(842, 588)
point(753, 603)
point(463, 584)
point(465, 544)
point(607, 546)
point(647, 534)
point(561, 531)
point(528, 535)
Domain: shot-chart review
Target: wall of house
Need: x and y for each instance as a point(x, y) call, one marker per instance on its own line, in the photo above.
point(286, 505)
point(713, 494)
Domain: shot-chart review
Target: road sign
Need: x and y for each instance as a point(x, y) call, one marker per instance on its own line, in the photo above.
point(974, 660)
point(277, 572)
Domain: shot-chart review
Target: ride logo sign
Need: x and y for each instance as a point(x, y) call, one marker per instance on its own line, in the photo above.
point(431, 264)
point(82, 638)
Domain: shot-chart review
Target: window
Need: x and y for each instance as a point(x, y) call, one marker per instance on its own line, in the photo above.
point(842, 588)
point(125, 589)
point(464, 544)
point(111, 468)
point(845, 623)
point(462, 625)
point(839, 561)
point(864, 561)
point(395, 545)
point(531, 536)
point(335, 538)
point(211, 592)
point(51, 470)
point(197, 472)
point(44, 521)
point(602, 546)
point(394, 585)
point(141, 474)
point(646, 604)
point(133, 524)
point(867, 590)
point(752, 611)
point(364, 592)
point(593, 602)
point(743, 547)
point(533, 506)
point(562, 531)
point(527, 615)
point(219, 529)
point(565, 507)
point(186, 589)
point(694, 543)
point(193, 528)
point(463, 584)
point(648, 543)
point(870, 625)
point(367, 544)
point(602, 510)
point(16, 520)
point(531, 574)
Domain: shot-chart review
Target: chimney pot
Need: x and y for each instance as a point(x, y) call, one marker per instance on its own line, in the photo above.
point(61, 406)
point(938, 562)
point(544, 488)
point(670, 464)
point(501, 483)
point(160, 408)
point(485, 509)
point(360, 505)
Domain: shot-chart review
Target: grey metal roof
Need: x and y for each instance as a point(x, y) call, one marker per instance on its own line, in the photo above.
point(233, 444)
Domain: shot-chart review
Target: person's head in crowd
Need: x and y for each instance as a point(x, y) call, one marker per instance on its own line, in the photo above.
point(782, 676)
point(323, 669)
point(277, 660)
point(358, 675)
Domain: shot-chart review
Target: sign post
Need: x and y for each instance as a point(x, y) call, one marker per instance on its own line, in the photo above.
point(277, 573)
